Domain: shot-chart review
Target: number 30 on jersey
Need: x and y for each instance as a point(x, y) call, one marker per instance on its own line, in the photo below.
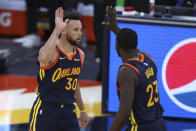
point(71, 84)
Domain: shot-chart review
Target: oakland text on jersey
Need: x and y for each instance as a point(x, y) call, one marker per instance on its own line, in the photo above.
point(60, 73)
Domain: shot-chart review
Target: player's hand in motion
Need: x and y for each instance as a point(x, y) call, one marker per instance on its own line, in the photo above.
point(111, 24)
point(59, 23)
point(84, 119)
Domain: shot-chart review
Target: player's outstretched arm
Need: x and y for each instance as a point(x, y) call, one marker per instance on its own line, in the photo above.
point(111, 24)
point(48, 54)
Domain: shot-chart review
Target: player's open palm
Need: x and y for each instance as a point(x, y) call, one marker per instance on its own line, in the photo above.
point(59, 23)
point(111, 24)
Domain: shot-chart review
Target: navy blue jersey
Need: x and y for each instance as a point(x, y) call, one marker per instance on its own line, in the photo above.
point(146, 106)
point(58, 82)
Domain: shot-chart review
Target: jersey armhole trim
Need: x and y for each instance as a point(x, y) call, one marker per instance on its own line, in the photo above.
point(81, 59)
point(53, 64)
point(142, 57)
point(133, 67)
point(151, 59)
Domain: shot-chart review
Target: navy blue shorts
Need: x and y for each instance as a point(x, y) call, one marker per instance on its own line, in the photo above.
point(47, 116)
point(157, 125)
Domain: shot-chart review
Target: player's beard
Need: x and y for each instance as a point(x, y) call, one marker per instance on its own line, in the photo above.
point(71, 41)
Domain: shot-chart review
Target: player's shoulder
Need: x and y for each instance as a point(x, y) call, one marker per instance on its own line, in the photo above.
point(126, 70)
point(148, 55)
point(127, 74)
point(81, 53)
point(80, 50)
point(145, 53)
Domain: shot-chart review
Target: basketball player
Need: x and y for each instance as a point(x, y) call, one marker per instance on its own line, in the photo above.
point(58, 88)
point(136, 83)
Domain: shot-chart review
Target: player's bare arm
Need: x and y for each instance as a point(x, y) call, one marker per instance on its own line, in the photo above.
point(48, 54)
point(79, 101)
point(83, 114)
point(84, 119)
point(111, 24)
point(128, 80)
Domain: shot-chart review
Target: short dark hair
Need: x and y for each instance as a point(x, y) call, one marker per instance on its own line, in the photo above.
point(72, 16)
point(127, 38)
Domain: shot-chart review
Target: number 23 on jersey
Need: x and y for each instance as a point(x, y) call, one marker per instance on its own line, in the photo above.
point(154, 96)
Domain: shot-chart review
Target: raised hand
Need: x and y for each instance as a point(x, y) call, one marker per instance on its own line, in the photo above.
point(59, 23)
point(111, 24)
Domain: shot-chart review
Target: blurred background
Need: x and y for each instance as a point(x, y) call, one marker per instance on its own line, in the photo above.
point(166, 30)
